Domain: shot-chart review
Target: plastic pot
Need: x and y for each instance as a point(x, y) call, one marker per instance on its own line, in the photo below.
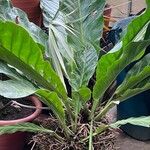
point(32, 9)
point(16, 140)
point(136, 106)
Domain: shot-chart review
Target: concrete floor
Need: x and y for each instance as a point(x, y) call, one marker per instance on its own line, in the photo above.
point(120, 7)
point(124, 142)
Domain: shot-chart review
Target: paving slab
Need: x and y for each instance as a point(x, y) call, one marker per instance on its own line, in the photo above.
point(125, 142)
point(120, 7)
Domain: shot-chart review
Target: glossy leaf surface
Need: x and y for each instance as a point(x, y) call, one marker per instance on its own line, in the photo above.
point(18, 49)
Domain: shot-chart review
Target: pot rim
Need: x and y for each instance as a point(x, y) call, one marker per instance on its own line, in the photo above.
point(29, 118)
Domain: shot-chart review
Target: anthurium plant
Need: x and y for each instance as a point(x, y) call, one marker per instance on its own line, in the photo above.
point(72, 51)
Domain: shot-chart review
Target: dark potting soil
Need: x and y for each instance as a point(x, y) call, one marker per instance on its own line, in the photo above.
point(42, 141)
point(12, 112)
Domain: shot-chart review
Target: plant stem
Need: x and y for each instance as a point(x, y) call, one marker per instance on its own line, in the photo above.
point(58, 137)
point(27, 106)
point(106, 109)
point(95, 104)
point(99, 131)
point(91, 136)
point(67, 131)
point(8, 104)
point(63, 125)
point(76, 113)
point(53, 134)
point(69, 112)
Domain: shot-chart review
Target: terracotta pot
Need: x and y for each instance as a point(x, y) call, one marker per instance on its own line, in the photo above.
point(16, 141)
point(107, 15)
point(32, 8)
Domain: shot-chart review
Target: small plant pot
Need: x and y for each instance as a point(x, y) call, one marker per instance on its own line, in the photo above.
point(16, 140)
point(32, 8)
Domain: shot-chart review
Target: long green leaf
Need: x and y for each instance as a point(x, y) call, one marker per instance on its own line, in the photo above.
point(135, 28)
point(140, 121)
point(137, 80)
point(8, 71)
point(50, 9)
point(58, 47)
point(105, 80)
point(85, 17)
point(16, 86)
point(54, 102)
point(137, 74)
point(57, 59)
point(29, 127)
point(57, 106)
point(137, 89)
point(54, 20)
point(80, 98)
point(18, 49)
point(79, 101)
point(86, 60)
point(8, 12)
point(111, 64)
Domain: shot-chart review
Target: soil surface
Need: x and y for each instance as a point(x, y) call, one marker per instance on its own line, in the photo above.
point(41, 141)
point(11, 112)
point(124, 142)
point(121, 141)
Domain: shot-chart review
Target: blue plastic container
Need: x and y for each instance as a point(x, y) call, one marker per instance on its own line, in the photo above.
point(136, 106)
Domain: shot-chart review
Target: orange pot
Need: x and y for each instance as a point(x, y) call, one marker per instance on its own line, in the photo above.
point(16, 140)
point(32, 9)
point(107, 15)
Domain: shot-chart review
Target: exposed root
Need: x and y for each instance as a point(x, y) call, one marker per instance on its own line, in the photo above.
point(104, 141)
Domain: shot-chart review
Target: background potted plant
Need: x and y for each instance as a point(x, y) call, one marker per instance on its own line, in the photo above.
point(32, 8)
point(79, 31)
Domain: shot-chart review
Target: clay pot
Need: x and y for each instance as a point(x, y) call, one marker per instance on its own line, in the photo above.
point(16, 140)
point(32, 9)
point(107, 15)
